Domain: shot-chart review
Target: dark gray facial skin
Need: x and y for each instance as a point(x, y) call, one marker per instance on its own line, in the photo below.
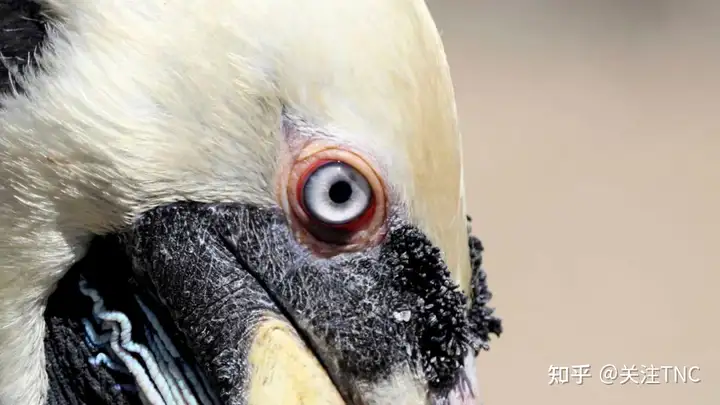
point(215, 266)
point(210, 273)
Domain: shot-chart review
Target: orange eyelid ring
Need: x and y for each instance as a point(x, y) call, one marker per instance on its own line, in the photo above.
point(329, 239)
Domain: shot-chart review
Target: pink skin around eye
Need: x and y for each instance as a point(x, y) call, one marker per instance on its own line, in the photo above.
point(359, 234)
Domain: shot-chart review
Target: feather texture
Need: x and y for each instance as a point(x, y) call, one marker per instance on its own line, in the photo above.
point(143, 102)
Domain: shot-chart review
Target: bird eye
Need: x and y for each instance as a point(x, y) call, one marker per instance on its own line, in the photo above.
point(336, 194)
point(335, 197)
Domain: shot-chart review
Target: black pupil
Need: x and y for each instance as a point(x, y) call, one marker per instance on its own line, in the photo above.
point(340, 192)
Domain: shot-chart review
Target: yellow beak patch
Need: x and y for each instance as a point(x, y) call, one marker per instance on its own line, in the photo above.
point(285, 371)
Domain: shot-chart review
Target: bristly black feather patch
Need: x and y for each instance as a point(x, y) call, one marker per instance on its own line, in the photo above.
point(481, 319)
point(445, 329)
point(23, 29)
point(440, 305)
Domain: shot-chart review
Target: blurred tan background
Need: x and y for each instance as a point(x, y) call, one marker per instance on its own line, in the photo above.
point(592, 163)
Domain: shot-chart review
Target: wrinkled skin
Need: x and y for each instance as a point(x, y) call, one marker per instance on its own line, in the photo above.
point(390, 307)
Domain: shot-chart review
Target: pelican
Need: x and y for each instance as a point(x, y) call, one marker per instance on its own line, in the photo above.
point(233, 202)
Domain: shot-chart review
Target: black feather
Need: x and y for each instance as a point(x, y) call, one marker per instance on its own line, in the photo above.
point(23, 29)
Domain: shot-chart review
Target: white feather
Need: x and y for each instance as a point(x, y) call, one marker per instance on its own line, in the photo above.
point(144, 102)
